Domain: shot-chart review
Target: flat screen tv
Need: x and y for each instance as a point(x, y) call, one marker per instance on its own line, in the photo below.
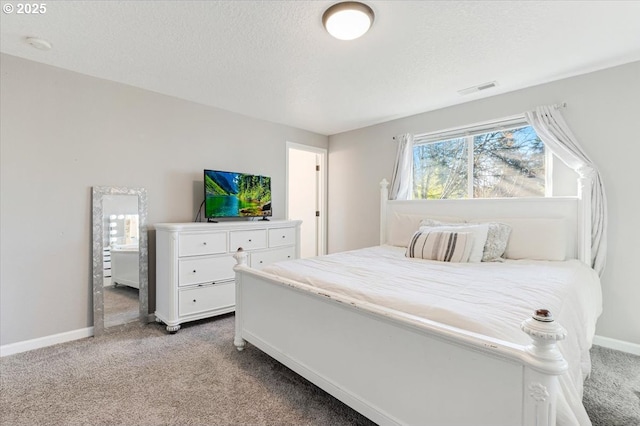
point(233, 194)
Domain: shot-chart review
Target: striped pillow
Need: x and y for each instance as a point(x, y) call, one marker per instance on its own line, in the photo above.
point(444, 246)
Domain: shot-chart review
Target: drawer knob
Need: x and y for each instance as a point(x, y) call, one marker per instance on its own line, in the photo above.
point(204, 243)
point(194, 271)
point(261, 261)
point(194, 300)
point(249, 240)
point(283, 236)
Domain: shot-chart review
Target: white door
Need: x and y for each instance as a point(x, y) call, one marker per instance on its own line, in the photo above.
point(305, 184)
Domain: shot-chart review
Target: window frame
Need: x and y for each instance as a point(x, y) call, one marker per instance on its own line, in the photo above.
point(470, 131)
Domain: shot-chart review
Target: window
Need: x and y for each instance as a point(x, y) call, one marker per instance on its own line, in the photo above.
point(493, 160)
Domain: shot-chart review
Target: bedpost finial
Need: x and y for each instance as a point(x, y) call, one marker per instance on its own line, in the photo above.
point(241, 257)
point(384, 183)
point(545, 334)
point(543, 315)
point(542, 328)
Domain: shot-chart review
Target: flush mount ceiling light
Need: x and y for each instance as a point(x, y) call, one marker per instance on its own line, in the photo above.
point(348, 20)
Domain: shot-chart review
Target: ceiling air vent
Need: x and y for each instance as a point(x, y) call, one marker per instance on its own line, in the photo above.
point(479, 87)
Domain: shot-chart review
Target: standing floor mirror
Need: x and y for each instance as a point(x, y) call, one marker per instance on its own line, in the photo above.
point(120, 258)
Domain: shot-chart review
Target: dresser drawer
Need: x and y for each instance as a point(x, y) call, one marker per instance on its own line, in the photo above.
point(282, 237)
point(205, 270)
point(200, 244)
point(248, 240)
point(206, 298)
point(260, 259)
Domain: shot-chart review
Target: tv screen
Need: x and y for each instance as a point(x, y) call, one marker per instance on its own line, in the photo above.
point(232, 194)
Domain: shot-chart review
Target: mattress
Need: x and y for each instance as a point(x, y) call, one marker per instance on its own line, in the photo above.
point(491, 298)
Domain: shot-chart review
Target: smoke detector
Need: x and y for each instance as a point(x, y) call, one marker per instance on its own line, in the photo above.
point(38, 43)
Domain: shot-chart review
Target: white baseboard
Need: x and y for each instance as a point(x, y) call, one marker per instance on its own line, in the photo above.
point(619, 345)
point(43, 342)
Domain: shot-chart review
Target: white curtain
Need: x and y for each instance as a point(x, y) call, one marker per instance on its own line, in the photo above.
point(549, 124)
point(402, 179)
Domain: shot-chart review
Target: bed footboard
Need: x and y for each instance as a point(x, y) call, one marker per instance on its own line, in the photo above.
point(396, 368)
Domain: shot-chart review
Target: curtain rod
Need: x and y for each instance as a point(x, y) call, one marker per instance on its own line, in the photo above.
point(556, 106)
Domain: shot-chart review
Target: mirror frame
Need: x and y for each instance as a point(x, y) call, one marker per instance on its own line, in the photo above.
point(98, 194)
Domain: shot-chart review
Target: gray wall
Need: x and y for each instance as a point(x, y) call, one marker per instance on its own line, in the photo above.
point(603, 111)
point(63, 133)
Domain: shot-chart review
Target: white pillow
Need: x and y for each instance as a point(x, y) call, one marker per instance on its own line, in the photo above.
point(401, 227)
point(537, 238)
point(497, 238)
point(443, 246)
point(479, 232)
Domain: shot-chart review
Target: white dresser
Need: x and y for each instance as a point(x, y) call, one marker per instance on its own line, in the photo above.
point(194, 264)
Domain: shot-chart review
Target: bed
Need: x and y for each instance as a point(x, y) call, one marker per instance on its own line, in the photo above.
point(124, 266)
point(488, 343)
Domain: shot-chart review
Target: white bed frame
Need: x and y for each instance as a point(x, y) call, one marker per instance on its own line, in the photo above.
point(398, 369)
point(124, 267)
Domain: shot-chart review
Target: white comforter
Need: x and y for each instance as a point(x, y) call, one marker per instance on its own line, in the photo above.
point(487, 298)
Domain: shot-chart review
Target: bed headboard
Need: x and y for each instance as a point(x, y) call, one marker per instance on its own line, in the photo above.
point(566, 215)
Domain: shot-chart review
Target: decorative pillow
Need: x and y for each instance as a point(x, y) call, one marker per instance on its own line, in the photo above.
point(433, 222)
point(401, 227)
point(479, 232)
point(444, 246)
point(497, 238)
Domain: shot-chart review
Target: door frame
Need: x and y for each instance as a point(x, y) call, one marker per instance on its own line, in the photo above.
point(322, 189)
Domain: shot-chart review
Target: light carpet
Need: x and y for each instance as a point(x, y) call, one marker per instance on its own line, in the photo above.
point(120, 305)
point(144, 376)
point(612, 391)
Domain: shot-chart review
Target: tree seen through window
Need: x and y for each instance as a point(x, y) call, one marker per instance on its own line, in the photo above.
point(504, 163)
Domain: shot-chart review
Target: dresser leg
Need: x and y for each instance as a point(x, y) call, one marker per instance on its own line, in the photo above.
point(173, 328)
point(239, 342)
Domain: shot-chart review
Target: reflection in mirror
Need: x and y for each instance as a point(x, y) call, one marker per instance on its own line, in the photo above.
point(120, 252)
point(120, 263)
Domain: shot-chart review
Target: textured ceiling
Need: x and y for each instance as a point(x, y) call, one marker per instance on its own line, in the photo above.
point(273, 60)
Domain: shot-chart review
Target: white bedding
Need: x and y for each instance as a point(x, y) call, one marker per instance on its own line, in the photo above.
point(489, 298)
